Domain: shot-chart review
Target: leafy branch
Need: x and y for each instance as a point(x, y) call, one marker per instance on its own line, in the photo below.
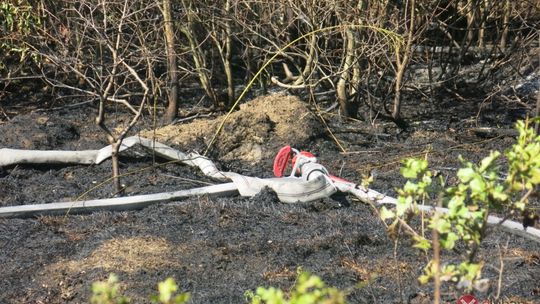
point(479, 192)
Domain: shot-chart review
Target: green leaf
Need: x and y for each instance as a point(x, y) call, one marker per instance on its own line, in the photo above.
point(167, 289)
point(271, 295)
point(182, 298)
point(413, 167)
point(107, 291)
point(455, 204)
point(442, 225)
point(410, 187)
point(465, 174)
point(488, 161)
point(520, 205)
point(470, 271)
point(423, 279)
point(386, 214)
point(535, 176)
point(403, 204)
point(478, 186)
point(499, 194)
point(448, 273)
point(421, 243)
point(426, 179)
point(449, 240)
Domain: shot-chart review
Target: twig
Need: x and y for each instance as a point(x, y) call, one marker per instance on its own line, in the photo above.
point(73, 105)
point(5, 114)
point(91, 93)
point(194, 181)
point(288, 86)
point(333, 106)
point(360, 152)
point(188, 118)
point(436, 256)
point(399, 283)
point(501, 269)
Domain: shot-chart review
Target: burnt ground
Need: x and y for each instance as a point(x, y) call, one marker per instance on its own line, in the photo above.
point(217, 248)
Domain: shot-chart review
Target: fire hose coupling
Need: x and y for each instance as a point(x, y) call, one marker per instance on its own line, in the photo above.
point(300, 159)
point(304, 164)
point(313, 170)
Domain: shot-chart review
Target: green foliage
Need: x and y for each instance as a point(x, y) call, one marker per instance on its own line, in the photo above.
point(415, 189)
point(107, 292)
point(524, 159)
point(167, 293)
point(17, 16)
point(17, 20)
point(309, 289)
point(479, 191)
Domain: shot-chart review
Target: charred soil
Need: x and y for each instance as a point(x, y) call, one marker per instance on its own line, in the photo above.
point(217, 248)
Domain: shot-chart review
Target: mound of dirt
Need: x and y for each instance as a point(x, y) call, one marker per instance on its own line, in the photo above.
point(253, 133)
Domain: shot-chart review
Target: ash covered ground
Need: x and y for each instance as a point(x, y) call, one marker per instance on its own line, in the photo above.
point(218, 248)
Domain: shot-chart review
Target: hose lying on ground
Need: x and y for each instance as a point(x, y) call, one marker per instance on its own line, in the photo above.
point(314, 185)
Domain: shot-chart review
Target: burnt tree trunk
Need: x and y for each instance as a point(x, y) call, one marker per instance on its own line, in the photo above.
point(402, 62)
point(348, 107)
point(172, 69)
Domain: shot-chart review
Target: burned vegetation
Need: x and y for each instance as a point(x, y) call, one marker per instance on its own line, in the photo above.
point(403, 98)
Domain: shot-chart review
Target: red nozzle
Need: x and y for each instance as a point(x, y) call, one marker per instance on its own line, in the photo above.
point(281, 161)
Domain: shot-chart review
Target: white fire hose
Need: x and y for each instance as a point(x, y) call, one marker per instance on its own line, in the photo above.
point(308, 181)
